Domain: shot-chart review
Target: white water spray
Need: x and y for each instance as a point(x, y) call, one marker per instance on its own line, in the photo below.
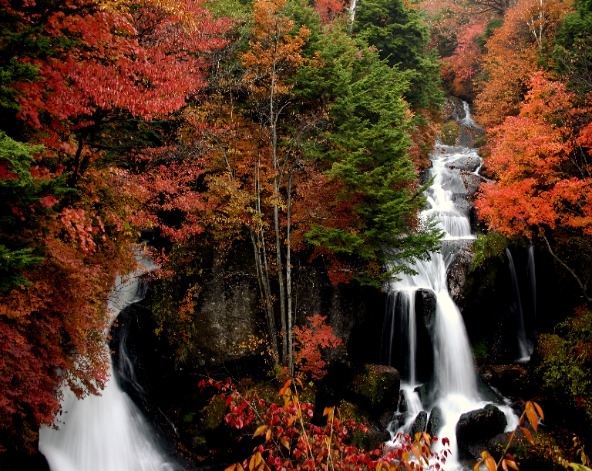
point(107, 432)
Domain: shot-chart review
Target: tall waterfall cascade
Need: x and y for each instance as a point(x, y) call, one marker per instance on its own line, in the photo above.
point(106, 432)
point(452, 387)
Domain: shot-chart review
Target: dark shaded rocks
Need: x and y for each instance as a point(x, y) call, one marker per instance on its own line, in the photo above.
point(435, 422)
point(420, 423)
point(480, 424)
point(458, 272)
point(425, 305)
point(476, 429)
point(511, 380)
point(376, 388)
point(467, 163)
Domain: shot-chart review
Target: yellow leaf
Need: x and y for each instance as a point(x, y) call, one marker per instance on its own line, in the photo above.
point(477, 466)
point(232, 467)
point(260, 430)
point(539, 410)
point(255, 461)
point(527, 434)
point(329, 411)
point(512, 464)
point(285, 442)
point(268, 435)
point(490, 463)
point(532, 416)
point(285, 388)
point(579, 467)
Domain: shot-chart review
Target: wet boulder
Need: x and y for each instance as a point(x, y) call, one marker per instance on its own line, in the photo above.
point(468, 163)
point(435, 422)
point(420, 423)
point(476, 429)
point(480, 424)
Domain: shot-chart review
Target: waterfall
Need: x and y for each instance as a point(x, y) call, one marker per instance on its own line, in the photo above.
point(453, 388)
point(107, 432)
point(531, 273)
point(525, 344)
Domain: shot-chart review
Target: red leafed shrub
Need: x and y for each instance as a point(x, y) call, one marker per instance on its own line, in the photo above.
point(309, 343)
point(284, 438)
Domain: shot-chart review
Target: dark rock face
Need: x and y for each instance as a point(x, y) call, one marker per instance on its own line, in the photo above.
point(511, 380)
point(425, 308)
point(471, 182)
point(479, 425)
point(457, 274)
point(377, 388)
point(435, 421)
point(468, 163)
point(229, 319)
point(420, 423)
point(425, 305)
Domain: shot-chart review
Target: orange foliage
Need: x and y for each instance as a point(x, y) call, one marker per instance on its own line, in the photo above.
point(542, 180)
point(511, 57)
point(328, 10)
point(274, 52)
point(461, 68)
point(310, 341)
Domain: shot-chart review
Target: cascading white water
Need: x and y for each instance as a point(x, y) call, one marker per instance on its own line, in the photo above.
point(524, 347)
point(531, 273)
point(107, 432)
point(525, 344)
point(455, 381)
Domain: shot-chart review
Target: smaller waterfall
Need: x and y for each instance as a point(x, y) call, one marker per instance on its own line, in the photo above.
point(531, 273)
point(525, 344)
point(403, 328)
point(107, 432)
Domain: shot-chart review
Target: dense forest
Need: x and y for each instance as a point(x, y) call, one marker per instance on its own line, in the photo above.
point(294, 131)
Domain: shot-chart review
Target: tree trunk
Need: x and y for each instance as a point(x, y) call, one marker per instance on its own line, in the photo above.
point(289, 278)
point(580, 283)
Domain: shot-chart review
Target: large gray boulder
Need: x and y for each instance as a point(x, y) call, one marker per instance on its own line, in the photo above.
point(480, 424)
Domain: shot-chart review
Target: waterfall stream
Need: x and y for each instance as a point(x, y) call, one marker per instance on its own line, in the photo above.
point(453, 387)
point(107, 432)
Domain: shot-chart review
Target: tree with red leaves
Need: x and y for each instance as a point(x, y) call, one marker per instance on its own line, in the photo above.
point(98, 84)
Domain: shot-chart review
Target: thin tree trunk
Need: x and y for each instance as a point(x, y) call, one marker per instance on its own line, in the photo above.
point(263, 268)
point(289, 278)
point(573, 273)
point(273, 117)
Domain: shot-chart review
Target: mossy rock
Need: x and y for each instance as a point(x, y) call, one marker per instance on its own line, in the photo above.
point(377, 388)
point(450, 133)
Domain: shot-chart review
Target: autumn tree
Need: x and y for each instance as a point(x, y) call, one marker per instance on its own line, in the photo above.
point(511, 57)
point(96, 84)
point(541, 163)
point(273, 56)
